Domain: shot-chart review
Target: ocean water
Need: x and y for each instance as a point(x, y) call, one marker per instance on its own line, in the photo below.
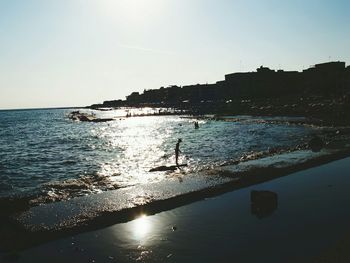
point(44, 153)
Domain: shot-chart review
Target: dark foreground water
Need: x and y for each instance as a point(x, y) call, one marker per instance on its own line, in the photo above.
point(43, 153)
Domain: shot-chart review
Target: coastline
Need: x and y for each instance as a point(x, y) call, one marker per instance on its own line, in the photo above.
point(61, 219)
point(309, 218)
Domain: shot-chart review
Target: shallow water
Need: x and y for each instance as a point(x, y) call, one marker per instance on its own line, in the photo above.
point(310, 217)
point(43, 152)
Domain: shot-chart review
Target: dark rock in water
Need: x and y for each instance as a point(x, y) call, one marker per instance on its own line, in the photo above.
point(163, 168)
point(80, 116)
point(316, 144)
point(263, 203)
point(166, 168)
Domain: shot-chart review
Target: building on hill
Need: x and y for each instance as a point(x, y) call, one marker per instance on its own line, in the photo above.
point(324, 79)
point(330, 66)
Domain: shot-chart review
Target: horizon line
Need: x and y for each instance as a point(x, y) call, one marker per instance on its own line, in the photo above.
point(43, 108)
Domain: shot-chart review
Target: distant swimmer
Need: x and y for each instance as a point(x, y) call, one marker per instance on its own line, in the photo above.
point(177, 151)
point(196, 125)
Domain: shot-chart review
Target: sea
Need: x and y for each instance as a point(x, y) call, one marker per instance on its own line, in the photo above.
point(46, 156)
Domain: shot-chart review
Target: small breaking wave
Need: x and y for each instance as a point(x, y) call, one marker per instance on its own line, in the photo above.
point(63, 190)
point(57, 191)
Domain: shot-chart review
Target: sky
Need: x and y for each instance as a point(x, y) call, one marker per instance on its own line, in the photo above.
point(56, 53)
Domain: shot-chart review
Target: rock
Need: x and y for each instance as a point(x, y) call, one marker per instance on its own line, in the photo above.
point(80, 116)
point(316, 143)
point(166, 168)
point(263, 203)
point(163, 168)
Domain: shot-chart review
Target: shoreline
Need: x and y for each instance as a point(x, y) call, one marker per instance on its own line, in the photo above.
point(325, 110)
point(50, 221)
point(308, 219)
point(32, 237)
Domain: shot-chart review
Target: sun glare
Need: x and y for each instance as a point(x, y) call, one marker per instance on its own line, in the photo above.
point(141, 227)
point(132, 10)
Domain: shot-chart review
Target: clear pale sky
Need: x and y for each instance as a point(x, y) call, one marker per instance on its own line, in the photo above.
point(79, 52)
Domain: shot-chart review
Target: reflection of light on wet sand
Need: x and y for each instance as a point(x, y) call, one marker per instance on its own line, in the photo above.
point(141, 227)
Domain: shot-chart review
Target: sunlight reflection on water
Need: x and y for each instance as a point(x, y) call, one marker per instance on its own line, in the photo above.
point(140, 144)
point(141, 227)
point(68, 158)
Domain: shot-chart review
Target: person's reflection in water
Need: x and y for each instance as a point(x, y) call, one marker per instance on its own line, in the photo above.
point(263, 203)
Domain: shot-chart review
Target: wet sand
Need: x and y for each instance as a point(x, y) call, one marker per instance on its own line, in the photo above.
point(311, 218)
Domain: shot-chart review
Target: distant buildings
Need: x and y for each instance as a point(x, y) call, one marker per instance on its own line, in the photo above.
point(325, 79)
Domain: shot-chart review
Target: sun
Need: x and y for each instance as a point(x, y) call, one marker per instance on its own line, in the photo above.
point(132, 10)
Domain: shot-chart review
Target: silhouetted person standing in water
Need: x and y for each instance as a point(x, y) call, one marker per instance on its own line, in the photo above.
point(177, 151)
